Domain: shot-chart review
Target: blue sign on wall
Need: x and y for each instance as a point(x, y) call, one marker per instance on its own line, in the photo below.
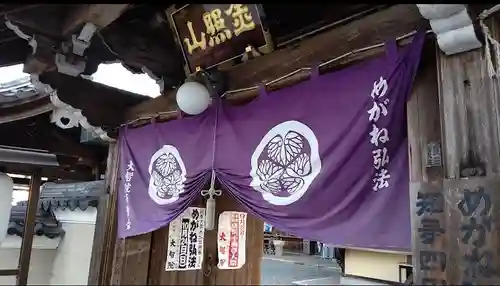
point(268, 227)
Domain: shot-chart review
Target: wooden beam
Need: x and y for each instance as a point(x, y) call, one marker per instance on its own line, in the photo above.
point(15, 8)
point(9, 272)
point(29, 228)
point(27, 113)
point(102, 105)
point(100, 15)
point(71, 148)
point(47, 171)
point(389, 23)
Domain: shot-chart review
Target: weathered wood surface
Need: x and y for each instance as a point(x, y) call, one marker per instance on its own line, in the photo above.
point(470, 108)
point(424, 128)
point(472, 207)
point(471, 122)
point(131, 260)
point(29, 229)
point(372, 29)
point(105, 230)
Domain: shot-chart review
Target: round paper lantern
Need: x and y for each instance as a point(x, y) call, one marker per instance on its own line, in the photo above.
point(193, 97)
point(6, 190)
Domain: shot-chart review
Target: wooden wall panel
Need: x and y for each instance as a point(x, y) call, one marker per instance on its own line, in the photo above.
point(131, 263)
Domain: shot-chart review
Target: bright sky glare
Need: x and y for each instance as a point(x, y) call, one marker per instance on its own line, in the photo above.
point(114, 75)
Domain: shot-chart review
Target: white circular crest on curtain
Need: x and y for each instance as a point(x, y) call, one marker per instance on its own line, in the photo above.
point(285, 163)
point(167, 175)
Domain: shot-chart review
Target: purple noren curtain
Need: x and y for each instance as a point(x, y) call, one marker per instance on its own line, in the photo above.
point(325, 159)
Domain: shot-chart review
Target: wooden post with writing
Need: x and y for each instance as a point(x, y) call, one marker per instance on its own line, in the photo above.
point(470, 123)
point(426, 172)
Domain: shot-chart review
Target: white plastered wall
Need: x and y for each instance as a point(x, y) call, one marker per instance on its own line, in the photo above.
point(72, 260)
point(361, 263)
point(42, 257)
point(60, 261)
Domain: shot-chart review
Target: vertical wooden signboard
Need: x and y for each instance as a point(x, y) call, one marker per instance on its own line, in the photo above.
point(472, 219)
point(429, 241)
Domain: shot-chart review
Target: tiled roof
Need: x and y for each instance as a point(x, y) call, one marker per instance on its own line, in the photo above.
point(45, 224)
point(71, 195)
point(17, 89)
point(55, 196)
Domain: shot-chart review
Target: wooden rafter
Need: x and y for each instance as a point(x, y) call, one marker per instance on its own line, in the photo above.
point(100, 15)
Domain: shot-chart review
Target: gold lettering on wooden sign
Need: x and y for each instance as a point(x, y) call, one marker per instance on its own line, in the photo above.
point(216, 27)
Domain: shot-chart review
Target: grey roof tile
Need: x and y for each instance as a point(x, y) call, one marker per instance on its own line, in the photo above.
point(71, 195)
point(55, 196)
point(45, 223)
point(17, 89)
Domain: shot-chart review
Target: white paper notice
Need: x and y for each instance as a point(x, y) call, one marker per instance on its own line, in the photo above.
point(231, 240)
point(185, 241)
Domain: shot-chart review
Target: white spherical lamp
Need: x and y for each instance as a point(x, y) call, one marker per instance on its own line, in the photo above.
point(6, 191)
point(193, 97)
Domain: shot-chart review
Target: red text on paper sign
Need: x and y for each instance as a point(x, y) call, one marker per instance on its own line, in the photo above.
point(234, 241)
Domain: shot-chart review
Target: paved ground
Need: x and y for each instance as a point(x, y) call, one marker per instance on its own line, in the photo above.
point(298, 270)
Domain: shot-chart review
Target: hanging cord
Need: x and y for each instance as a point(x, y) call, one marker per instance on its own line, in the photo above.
point(211, 193)
point(488, 12)
point(489, 42)
point(229, 92)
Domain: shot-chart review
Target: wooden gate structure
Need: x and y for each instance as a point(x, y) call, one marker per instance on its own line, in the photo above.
point(453, 121)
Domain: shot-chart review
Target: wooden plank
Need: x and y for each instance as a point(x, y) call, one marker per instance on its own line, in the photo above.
point(131, 261)
point(29, 228)
point(469, 126)
point(23, 114)
point(9, 272)
point(425, 181)
point(390, 23)
point(105, 232)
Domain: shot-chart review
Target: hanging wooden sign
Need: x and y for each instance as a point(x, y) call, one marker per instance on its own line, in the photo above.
point(211, 34)
point(185, 241)
point(231, 240)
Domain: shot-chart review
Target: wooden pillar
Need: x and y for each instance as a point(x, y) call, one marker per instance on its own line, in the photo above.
point(471, 124)
point(29, 228)
point(455, 223)
point(105, 227)
point(426, 171)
